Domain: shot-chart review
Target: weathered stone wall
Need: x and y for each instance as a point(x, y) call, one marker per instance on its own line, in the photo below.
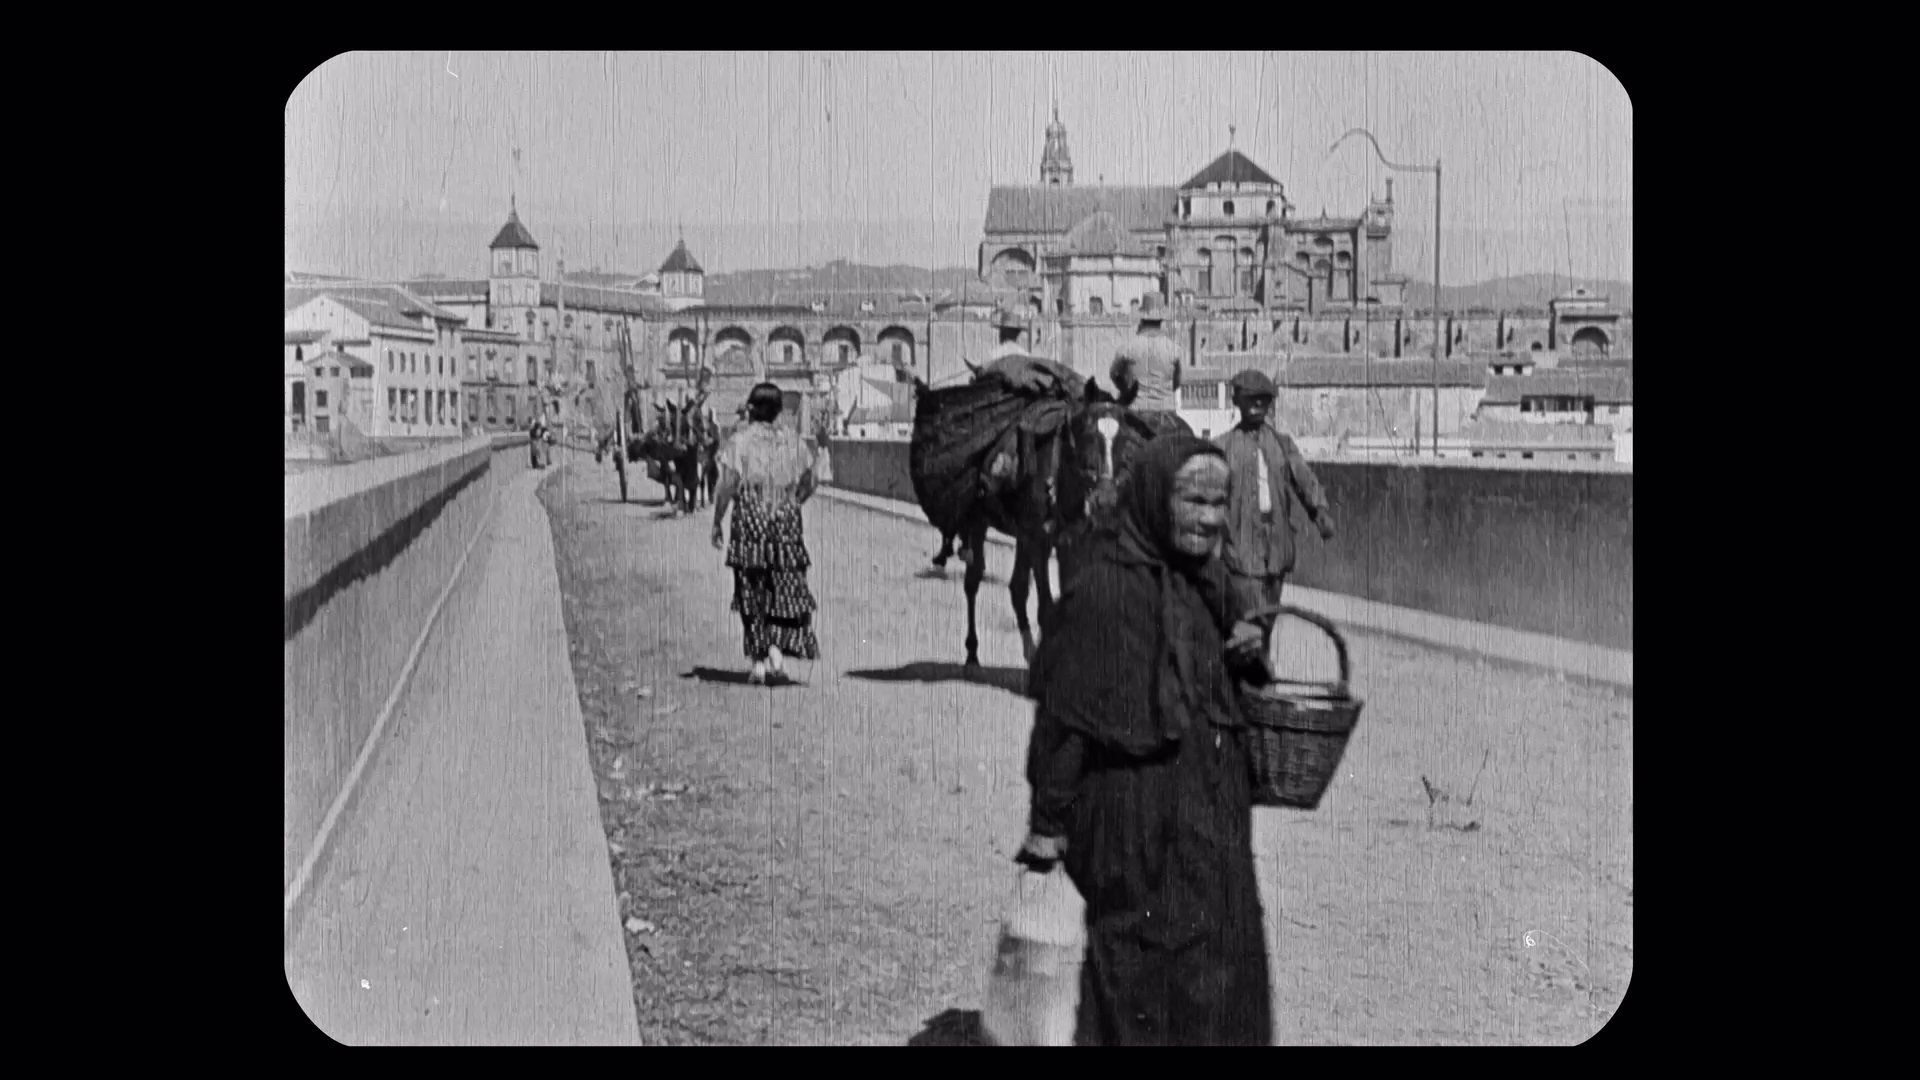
point(369, 548)
point(1548, 552)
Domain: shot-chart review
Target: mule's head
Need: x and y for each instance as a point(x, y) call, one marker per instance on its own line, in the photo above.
point(1103, 437)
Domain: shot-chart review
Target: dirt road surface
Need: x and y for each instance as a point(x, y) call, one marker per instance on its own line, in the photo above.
point(823, 863)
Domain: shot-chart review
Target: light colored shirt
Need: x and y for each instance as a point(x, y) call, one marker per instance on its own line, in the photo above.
point(770, 459)
point(1154, 361)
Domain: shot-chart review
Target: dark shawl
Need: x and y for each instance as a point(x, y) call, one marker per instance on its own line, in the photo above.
point(1129, 683)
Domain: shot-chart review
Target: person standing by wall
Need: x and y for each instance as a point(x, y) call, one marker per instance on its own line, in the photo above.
point(1269, 475)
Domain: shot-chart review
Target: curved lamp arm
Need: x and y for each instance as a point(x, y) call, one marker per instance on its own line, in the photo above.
point(1377, 150)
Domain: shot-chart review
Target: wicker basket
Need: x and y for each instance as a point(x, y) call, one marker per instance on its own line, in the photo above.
point(1298, 731)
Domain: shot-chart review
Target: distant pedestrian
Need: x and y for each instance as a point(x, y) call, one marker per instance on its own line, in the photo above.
point(536, 441)
point(1146, 372)
point(1269, 475)
point(766, 475)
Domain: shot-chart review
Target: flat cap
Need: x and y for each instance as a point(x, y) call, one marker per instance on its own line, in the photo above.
point(1253, 383)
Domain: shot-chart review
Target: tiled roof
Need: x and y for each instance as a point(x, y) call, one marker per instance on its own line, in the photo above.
point(304, 337)
point(513, 235)
point(377, 313)
point(598, 280)
point(680, 261)
point(400, 306)
point(1520, 433)
point(1100, 234)
point(1323, 223)
point(447, 286)
point(1232, 167)
point(746, 311)
point(1051, 208)
point(1338, 371)
point(1605, 387)
point(481, 334)
point(583, 298)
point(332, 357)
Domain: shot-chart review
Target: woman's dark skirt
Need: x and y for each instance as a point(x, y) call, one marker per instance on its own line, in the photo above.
point(768, 554)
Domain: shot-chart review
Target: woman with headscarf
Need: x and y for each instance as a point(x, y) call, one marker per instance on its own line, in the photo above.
point(1140, 778)
point(766, 473)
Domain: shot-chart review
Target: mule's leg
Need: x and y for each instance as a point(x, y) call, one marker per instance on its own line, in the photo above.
point(946, 551)
point(1043, 582)
point(976, 570)
point(1018, 586)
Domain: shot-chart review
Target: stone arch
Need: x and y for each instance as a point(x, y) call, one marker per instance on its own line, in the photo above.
point(896, 345)
point(732, 336)
point(1013, 266)
point(786, 346)
point(842, 344)
point(683, 346)
point(1589, 341)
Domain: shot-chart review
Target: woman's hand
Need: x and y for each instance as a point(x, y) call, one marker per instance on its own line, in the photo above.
point(719, 536)
point(1247, 647)
point(1040, 853)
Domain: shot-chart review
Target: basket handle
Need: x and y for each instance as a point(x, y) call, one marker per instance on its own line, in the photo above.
point(1319, 620)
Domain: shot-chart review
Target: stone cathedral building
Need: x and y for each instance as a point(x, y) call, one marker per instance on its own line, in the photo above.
point(1226, 240)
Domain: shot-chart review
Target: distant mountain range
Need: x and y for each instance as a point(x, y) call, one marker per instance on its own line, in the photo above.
point(839, 277)
point(843, 277)
point(1522, 290)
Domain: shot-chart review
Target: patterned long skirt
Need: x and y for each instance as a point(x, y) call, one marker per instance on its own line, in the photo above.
point(768, 554)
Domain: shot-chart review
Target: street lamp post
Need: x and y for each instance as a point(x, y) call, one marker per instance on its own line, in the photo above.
point(1435, 170)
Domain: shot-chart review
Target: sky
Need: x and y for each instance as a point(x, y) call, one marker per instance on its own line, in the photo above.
point(396, 161)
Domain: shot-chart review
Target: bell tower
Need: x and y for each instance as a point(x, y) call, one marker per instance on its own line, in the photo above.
point(1056, 165)
point(513, 273)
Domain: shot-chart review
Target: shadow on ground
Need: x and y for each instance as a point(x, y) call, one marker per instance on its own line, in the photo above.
point(735, 678)
point(1012, 680)
point(955, 575)
point(955, 1027)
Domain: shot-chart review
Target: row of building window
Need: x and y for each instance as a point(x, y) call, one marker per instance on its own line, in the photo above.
point(1226, 207)
point(1527, 455)
point(684, 351)
point(437, 407)
point(405, 406)
point(1563, 404)
point(409, 363)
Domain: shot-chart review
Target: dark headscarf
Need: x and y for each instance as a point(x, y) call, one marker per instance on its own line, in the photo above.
point(1136, 684)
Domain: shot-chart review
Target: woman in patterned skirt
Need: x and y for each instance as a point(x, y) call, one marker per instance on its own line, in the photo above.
point(766, 473)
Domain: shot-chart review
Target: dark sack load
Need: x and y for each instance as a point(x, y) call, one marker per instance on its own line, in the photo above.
point(955, 429)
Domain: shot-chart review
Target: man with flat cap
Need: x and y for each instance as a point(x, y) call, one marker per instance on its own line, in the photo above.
point(1267, 474)
point(1146, 371)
